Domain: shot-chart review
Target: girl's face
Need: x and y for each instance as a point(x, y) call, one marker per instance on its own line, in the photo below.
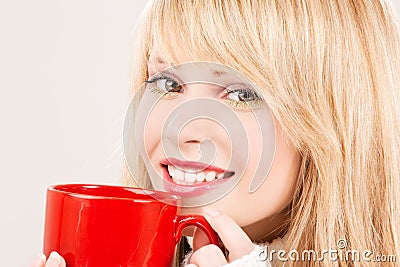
point(204, 163)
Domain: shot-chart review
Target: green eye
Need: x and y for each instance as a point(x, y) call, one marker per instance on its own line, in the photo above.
point(243, 98)
point(245, 95)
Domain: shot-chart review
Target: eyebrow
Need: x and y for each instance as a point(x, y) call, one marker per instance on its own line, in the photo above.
point(218, 72)
point(157, 59)
point(159, 64)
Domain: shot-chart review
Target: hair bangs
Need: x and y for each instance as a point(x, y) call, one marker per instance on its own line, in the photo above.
point(187, 31)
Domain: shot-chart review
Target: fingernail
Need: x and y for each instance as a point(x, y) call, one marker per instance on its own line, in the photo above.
point(40, 260)
point(212, 212)
point(55, 257)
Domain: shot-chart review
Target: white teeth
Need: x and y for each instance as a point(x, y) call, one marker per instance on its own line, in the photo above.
point(200, 177)
point(190, 177)
point(179, 175)
point(210, 176)
point(171, 170)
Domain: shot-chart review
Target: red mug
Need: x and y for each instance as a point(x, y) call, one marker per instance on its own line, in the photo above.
point(114, 226)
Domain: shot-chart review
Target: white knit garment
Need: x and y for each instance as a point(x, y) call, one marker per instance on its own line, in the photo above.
point(253, 259)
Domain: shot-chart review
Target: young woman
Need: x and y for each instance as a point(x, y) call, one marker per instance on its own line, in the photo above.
point(328, 71)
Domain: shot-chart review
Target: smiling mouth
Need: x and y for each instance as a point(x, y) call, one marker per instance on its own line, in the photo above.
point(192, 173)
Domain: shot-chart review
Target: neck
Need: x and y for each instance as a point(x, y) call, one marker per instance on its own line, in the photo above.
point(269, 228)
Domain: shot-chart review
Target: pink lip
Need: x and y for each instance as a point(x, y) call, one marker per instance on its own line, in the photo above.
point(194, 189)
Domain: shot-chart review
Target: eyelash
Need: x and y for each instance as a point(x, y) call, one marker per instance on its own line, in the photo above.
point(156, 89)
point(158, 77)
point(237, 104)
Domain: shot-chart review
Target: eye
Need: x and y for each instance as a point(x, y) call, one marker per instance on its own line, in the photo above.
point(165, 84)
point(242, 94)
point(243, 98)
point(169, 85)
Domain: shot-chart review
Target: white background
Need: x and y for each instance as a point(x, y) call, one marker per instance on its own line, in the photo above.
point(63, 93)
point(64, 88)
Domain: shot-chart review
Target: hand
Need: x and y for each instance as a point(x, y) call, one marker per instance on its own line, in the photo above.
point(55, 260)
point(233, 237)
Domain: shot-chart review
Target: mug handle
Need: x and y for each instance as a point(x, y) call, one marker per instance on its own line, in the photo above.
point(195, 220)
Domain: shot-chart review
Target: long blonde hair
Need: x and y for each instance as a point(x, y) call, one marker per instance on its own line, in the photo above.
point(330, 74)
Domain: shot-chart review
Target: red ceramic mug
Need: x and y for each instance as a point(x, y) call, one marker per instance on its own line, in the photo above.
point(114, 226)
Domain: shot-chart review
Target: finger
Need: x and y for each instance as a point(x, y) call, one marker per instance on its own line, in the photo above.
point(233, 237)
point(55, 260)
point(200, 239)
point(208, 256)
point(40, 261)
point(63, 263)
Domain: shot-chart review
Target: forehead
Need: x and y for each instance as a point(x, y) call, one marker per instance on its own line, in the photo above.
point(156, 60)
point(166, 55)
point(189, 71)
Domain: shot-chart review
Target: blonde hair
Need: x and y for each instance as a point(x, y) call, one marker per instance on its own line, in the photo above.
point(330, 74)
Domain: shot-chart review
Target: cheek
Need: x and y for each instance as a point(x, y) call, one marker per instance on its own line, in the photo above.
point(153, 129)
point(280, 184)
point(276, 191)
point(255, 149)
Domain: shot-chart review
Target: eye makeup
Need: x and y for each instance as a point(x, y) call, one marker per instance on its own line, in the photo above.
point(238, 95)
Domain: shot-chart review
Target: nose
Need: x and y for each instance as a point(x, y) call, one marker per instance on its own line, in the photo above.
point(196, 134)
point(201, 138)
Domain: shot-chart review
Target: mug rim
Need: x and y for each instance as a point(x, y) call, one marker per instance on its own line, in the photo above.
point(152, 195)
